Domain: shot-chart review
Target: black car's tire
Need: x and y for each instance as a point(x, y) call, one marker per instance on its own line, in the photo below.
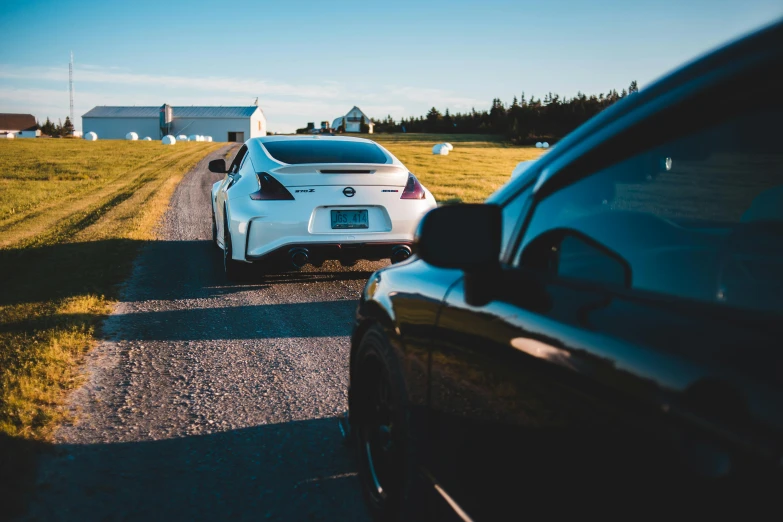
point(234, 269)
point(380, 428)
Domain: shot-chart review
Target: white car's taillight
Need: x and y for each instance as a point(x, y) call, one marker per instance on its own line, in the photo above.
point(413, 189)
point(270, 189)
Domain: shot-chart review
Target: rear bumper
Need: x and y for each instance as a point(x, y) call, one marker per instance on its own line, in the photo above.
point(260, 229)
point(343, 251)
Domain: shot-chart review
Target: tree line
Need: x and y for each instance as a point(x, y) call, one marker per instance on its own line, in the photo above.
point(57, 130)
point(524, 121)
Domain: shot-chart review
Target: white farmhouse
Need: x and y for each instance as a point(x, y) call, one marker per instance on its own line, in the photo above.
point(353, 121)
point(19, 125)
point(222, 123)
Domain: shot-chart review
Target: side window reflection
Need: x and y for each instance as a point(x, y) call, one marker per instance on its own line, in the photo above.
point(700, 217)
point(569, 254)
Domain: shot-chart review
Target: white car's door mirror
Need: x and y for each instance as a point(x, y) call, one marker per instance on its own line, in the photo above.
point(218, 166)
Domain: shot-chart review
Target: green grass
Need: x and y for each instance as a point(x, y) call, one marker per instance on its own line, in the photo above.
point(478, 165)
point(73, 214)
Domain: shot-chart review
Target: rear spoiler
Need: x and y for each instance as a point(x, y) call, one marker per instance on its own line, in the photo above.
point(341, 168)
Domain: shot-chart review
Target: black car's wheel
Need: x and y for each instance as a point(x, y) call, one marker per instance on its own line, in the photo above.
point(234, 269)
point(379, 419)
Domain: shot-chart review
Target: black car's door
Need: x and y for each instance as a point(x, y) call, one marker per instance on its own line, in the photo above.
point(631, 348)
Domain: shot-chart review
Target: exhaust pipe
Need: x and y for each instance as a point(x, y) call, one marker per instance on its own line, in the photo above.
point(299, 257)
point(400, 253)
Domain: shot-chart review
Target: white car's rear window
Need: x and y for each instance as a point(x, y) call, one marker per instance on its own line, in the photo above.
point(325, 151)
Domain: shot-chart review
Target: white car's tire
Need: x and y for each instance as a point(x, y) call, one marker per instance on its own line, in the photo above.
point(214, 230)
point(233, 269)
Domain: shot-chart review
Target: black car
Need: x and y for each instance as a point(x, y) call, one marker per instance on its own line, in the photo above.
point(605, 334)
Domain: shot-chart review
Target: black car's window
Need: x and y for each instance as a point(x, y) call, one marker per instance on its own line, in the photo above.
point(325, 151)
point(699, 217)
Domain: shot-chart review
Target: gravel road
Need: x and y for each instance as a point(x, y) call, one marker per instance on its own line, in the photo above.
point(207, 400)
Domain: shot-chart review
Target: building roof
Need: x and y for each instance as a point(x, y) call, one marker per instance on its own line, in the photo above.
point(17, 121)
point(355, 108)
point(104, 111)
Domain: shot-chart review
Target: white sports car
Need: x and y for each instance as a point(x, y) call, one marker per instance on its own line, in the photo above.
point(305, 199)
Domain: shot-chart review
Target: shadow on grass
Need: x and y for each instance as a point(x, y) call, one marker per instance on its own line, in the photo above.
point(64, 270)
point(292, 471)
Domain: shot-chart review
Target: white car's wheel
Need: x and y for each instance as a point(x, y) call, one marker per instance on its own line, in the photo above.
point(233, 269)
point(214, 230)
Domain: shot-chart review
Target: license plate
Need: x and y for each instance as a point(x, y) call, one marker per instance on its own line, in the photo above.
point(349, 219)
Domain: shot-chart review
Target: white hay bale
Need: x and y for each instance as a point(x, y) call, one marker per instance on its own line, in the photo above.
point(10, 136)
point(208, 138)
point(545, 145)
point(169, 140)
point(91, 136)
point(182, 137)
point(539, 144)
point(440, 149)
point(147, 138)
point(132, 136)
point(193, 137)
point(449, 146)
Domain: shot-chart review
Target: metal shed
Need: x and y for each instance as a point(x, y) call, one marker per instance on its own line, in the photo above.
point(222, 123)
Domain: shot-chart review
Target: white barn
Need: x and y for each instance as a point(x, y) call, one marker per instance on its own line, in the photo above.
point(353, 121)
point(222, 123)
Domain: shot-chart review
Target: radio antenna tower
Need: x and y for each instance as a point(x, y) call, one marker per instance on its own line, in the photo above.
point(70, 84)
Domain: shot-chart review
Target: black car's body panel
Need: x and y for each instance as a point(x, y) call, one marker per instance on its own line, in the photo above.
point(407, 307)
point(560, 389)
point(597, 389)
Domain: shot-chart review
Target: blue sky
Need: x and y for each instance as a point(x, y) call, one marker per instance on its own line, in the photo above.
point(312, 61)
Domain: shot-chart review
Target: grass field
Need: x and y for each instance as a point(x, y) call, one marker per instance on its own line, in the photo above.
point(72, 217)
point(478, 165)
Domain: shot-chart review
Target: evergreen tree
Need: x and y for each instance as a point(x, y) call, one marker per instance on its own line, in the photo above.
point(48, 127)
point(433, 120)
point(448, 122)
point(68, 127)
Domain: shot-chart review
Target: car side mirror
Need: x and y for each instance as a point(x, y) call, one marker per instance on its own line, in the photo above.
point(218, 166)
point(465, 236)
